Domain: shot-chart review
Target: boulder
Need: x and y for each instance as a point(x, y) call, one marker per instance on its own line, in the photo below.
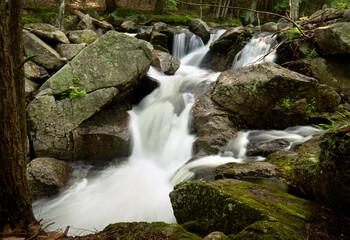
point(270, 27)
point(160, 27)
point(224, 49)
point(86, 23)
point(269, 96)
point(166, 63)
point(128, 26)
point(30, 87)
point(336, 35)
point(45, 55)
point(319, 168)
point(46, 177)
point(159, 39)
point(69, 51)
point(47, 32)
point(213, 127)
point(114, 63)
point(114, 60)
point(34, 72)
point(284, 24)
point(200, 28)
point(246, 170)
point(146, 35)
point(236, 207)
point(104, 137)
point(326, 14)
point(143, 230)
point(51, 121)
point(265, 148)
point(83, 36)
point(70, 23)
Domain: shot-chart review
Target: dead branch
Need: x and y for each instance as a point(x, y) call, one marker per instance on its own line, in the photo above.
point(102, 25)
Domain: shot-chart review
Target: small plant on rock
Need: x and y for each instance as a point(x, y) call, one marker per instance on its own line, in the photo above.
point(286, 102)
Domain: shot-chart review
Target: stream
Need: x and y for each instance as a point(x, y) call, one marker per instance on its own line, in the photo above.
point(138, 189)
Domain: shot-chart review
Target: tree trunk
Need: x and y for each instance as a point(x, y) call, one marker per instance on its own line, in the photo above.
point(294, 9)
point(159, 8)
point(111, 5)
point(250, 16)
point(15, 205)
point(60, 15)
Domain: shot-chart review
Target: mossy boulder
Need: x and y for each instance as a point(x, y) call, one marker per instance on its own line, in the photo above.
point(47, 32)
point(336, 35)
point(319, 168)
point(166, 63)
point(200, 28)
point(143, 230)
point(232, 206)
point(258, 94)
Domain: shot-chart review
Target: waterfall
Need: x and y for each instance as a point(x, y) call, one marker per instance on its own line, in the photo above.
point(255, 50)
point(184, 43)
point(138, 189)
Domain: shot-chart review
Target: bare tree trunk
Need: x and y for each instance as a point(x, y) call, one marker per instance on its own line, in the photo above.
point(294, 9)
point(218, 9)
point(159, 8)
point(15, 205)
point(226, 8)
point(60, 15)
point(111, 5)
point(250, 16)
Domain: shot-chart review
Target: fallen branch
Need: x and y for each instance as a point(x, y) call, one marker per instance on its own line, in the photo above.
point(98, 23)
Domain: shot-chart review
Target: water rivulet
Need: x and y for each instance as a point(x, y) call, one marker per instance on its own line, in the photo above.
point(138, 189)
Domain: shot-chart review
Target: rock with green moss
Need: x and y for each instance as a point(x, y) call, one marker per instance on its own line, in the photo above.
point(242, 209)
point(45, 55)
point(47, 32)
point(143, 230)
point(319, 168)
point(83, 36)
point(200, 28)
point(336, 35)
point(270, 96)
point(166, 63)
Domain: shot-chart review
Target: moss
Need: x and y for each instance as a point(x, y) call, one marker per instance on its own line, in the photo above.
point(143, 230)
point(266, 230)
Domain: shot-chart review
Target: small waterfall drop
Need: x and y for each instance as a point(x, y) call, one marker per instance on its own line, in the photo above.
point(255, 50)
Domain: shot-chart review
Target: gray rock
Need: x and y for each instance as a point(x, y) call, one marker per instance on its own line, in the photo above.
point(34, 72)
point(258, 94)
point(269, 27)
point(47, 32)
point(114, 63)
point(159, 39)
point(83, 36)
point(105, 136)
point(160, 27)
point(69, 51)
point(334, 39)
point(45, 55)
point(46, 177)
point(30, 87)
point(86, 23)
point(51, 121)
point(200, 28)
point(166, 63)
point(70, 23)
point(246, 170)
point(212, 125)
point(128, 26)
point(216, 236)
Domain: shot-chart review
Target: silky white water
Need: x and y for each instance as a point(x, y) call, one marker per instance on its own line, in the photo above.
point(257, 50)
point(138, 189)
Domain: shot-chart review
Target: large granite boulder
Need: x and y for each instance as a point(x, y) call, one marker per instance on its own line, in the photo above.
point(269, 96)
point(334, 39)
point(47, 32)
point(46, 177)
point(236, 207)
point(114, 63)
point(213, 126)
point(103, 137)
point(200, 28)
point(45, 55)
point(128, 26)
point(166, 63)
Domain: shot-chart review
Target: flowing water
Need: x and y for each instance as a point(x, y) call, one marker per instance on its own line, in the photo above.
point(257, 50)
point(137, 190)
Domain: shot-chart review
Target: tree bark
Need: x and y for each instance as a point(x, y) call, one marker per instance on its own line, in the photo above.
point(60, 14)
point(111, 5)
point(159, 8)
point(294, 9)
point(15, 205)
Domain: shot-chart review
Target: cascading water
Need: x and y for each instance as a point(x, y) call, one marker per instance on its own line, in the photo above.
point(255, 50)
point(138, 189)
